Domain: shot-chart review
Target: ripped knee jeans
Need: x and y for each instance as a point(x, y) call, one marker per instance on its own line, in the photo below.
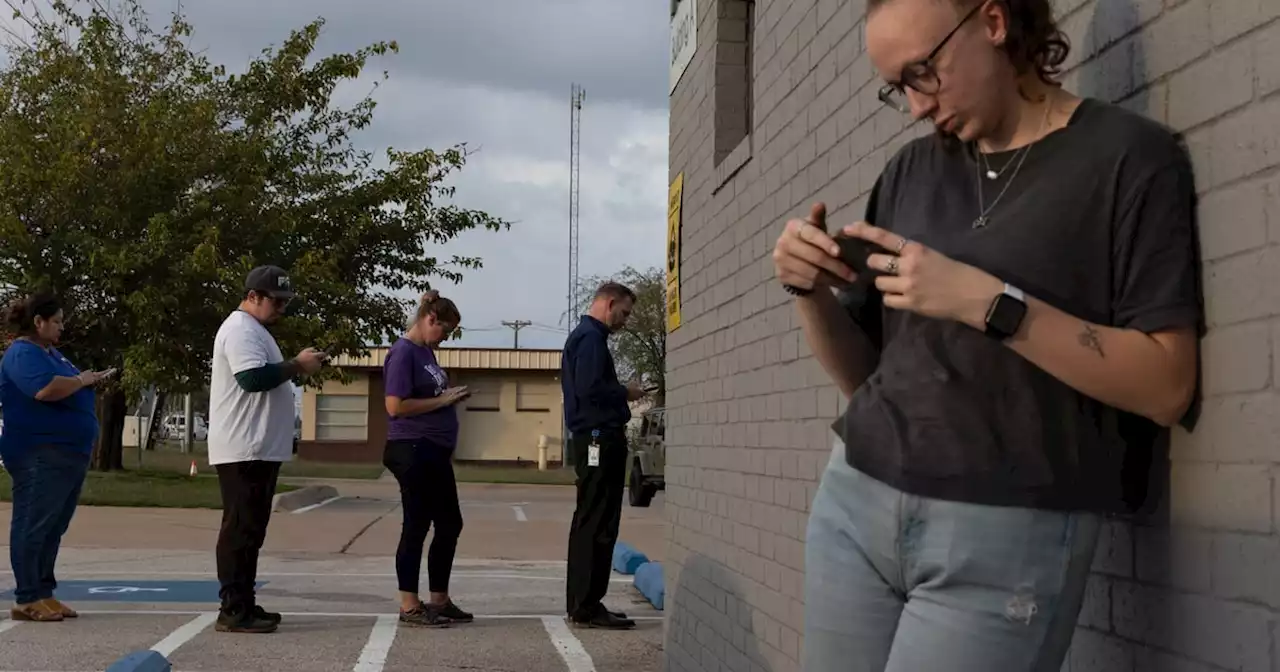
point(898, 583)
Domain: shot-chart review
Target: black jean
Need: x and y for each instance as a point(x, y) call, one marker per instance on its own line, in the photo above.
point(428, 494)
point(594, 530)
point(247, 490)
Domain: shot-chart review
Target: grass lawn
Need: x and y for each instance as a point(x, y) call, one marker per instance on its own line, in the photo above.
point(169, 459)
point(467, 473)
point(164, 489)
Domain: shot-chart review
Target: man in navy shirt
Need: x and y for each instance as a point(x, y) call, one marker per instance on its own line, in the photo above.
point(596, 415)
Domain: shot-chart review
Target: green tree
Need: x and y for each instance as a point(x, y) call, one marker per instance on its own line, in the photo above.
point(640, 350)
point(142, 182)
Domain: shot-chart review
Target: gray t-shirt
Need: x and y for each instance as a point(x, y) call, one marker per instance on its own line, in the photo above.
point(1099, 222)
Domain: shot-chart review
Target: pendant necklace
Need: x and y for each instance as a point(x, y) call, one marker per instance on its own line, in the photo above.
point(1019, 158)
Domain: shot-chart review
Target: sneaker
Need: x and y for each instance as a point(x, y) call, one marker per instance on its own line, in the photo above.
point(259, 612)
point(424, 616)
point(603, 619)
point(245, 622)
point(453, 613)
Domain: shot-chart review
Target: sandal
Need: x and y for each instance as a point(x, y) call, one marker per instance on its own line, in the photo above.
point(67, 612)
point(36, 611)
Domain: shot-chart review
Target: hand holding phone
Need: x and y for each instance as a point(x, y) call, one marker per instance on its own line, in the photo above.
point(854, 253)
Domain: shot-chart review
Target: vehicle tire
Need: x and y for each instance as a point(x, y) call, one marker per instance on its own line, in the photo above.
point(639, 493)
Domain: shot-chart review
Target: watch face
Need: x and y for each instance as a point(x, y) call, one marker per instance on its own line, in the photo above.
point(1006, 315)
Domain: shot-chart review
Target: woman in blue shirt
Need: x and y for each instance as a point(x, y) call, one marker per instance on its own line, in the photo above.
point(50, 426)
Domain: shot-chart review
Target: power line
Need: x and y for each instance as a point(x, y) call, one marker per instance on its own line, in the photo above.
point(516, 326)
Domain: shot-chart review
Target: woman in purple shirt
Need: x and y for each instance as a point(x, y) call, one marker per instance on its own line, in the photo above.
point(421, 435)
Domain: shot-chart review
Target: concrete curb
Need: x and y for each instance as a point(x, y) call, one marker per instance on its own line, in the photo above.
point(142, 661)
point(650, 583)
point(302, 497)
point(626, 558)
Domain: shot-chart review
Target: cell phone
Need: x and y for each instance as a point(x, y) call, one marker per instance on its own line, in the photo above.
point(854, 253)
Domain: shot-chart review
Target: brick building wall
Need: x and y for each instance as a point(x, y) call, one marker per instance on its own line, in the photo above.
point(1191, 589)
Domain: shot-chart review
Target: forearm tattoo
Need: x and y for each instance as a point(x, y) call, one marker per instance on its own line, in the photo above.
point(1089, 339)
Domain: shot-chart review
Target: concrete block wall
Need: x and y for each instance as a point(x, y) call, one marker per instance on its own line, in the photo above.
point(1193, 588)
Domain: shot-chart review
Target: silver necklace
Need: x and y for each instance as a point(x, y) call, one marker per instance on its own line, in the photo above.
point(984, 216)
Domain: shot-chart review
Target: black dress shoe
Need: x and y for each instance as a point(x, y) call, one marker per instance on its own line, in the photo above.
point(603, 619)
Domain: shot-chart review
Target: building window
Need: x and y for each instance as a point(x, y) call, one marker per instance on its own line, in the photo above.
point(342, 417)
point(486, 395)
point(735, 28)
point(533, 397)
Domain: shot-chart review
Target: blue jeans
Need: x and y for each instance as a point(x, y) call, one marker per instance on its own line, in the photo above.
point(899, 583)
point(46, 488)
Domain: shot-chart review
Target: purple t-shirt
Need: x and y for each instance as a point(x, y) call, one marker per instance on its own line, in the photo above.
point(412, 372)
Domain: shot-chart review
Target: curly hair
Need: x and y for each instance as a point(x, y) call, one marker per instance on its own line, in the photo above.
point(20, 316)
point(1034, 39)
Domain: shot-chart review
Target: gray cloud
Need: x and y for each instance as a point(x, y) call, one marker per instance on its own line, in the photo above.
point(496, 75)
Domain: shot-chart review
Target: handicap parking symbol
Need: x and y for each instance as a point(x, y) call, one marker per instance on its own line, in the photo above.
point(116, 590)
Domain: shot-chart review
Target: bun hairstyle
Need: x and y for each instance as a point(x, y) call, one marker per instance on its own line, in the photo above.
point(441, 308)
point(20, 316)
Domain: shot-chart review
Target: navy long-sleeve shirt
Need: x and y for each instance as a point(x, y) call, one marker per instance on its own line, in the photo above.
point(593, 397)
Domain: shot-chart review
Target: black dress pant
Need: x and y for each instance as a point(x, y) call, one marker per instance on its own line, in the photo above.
point(247, 491)
point(594, 530)
point(428, 494)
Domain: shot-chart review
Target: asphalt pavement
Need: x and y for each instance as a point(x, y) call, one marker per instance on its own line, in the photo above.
point(145, 579)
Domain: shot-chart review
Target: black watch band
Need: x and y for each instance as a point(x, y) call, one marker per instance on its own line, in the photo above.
point(1004, 317)
point(796, 291)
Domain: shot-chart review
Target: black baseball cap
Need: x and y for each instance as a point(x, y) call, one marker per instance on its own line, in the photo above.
point(271, 281)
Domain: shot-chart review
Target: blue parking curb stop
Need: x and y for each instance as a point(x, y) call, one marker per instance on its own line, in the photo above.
point(626, 558)
point(650, 583)
point(142, 661)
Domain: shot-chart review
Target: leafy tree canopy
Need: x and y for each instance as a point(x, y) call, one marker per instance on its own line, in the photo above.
point(142, 182)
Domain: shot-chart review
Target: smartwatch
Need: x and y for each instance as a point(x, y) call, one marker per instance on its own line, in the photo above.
point(1005, 315)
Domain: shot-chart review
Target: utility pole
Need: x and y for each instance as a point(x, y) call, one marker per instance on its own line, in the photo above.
point(516, 326)
point(576, 97)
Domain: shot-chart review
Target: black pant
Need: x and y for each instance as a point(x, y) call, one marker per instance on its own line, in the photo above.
point(247, 490)
point(428, 493)
point(594, 530)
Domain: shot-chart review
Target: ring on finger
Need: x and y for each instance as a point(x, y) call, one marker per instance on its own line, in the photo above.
point(892, 266)
point(901, 244)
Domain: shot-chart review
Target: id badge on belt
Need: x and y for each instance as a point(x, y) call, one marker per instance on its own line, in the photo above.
point(593, 450)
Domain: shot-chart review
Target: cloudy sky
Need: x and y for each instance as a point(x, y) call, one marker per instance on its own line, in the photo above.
point(496, 74)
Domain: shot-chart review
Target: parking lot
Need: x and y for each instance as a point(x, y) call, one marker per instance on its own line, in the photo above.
point(145, 579)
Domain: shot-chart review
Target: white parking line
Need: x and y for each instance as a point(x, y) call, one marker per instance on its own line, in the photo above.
point(520, 514)
point(8, 625)
point(313, 507)
point(374, 655)
point(365, 575)
point(327, 614)
point(568, 646)
point(184, 634)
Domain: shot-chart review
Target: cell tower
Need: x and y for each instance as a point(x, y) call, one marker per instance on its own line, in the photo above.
point(576, 96)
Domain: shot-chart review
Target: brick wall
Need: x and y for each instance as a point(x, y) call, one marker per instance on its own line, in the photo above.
point(1192, 589)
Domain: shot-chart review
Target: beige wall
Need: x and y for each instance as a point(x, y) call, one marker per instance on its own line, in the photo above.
point(502, 420)
point(506, 413)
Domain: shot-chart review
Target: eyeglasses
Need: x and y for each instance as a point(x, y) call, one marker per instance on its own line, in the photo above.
point(920, 75)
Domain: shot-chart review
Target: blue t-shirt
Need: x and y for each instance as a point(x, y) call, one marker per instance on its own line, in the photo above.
point(71, 422)
point(412, 372)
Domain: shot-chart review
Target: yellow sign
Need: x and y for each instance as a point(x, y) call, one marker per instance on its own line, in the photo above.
point(675, 197)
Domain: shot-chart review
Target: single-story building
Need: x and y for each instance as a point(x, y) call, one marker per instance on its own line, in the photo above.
point(515, 400)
